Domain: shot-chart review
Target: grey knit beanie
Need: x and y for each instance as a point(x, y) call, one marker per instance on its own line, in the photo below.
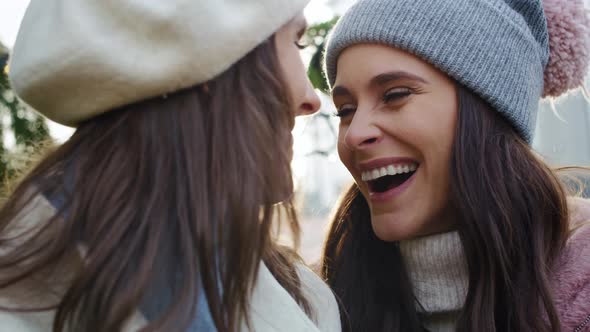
point(497, 48)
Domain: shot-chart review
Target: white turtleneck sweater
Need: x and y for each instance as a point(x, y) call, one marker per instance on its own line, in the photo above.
point(437, 267)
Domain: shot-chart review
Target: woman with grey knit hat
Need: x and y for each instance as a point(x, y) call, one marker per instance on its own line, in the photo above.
point(454, 223)
point(158, 213)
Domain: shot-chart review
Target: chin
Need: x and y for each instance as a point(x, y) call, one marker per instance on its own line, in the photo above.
point(392, 229)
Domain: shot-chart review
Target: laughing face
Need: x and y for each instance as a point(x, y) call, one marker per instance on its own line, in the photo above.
point(398, 116)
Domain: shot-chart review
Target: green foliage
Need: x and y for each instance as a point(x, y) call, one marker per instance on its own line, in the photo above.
point(316, 36)
point(27, 127)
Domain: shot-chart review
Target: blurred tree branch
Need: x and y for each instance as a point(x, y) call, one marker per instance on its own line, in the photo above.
point(316, 38)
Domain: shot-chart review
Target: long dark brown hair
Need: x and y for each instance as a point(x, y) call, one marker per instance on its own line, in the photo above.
point(512, 220)
point(181, 188)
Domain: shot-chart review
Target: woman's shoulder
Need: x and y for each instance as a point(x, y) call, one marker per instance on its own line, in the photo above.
point(572, 271)
point(321, 298)
point(272, 308)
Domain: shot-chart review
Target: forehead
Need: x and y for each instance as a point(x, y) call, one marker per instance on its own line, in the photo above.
point(360, 63)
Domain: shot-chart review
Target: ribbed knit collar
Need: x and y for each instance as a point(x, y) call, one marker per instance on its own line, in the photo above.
point(437, 267)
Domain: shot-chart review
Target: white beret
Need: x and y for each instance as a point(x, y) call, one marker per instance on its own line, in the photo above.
point(75, 59)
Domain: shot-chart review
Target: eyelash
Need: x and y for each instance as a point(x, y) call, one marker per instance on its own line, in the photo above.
point(301, 46)
point(343, 113)
point(396, 94)
point(387, 98)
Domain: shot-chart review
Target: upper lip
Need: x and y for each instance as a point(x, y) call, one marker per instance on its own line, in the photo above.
point(382, 162)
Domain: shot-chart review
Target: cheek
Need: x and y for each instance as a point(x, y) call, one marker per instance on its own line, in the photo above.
point(428, 128)
point(438, 144)
point(443, 134)
point(433, 123)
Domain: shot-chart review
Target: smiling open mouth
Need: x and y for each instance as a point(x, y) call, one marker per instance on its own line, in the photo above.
point(388, 182)
point(387, 178)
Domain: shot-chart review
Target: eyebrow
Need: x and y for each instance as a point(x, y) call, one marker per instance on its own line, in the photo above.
point(380, 80)
point(385, 78)
point(339, 91)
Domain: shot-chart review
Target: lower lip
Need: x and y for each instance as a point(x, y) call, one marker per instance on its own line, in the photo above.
point(393, 192)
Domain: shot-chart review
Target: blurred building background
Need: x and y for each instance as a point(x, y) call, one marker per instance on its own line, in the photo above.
point(562, 138)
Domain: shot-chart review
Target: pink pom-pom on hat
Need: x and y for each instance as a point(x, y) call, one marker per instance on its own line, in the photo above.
point(569, 43)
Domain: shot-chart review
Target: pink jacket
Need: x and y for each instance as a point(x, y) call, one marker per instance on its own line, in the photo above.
point(572, 276)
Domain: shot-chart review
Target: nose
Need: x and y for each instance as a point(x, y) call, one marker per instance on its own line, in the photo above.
point(362, 133)
point(311, 103)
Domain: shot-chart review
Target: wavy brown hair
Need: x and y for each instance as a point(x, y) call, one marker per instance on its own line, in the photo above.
point(180, 188)
point(512, 221)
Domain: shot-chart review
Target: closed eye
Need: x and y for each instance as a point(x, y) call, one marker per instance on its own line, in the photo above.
point(396, 94)
point(301, 45)
point(345, 110)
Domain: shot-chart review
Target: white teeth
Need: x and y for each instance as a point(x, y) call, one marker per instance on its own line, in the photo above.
point(388, 170)
point(375, 174)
